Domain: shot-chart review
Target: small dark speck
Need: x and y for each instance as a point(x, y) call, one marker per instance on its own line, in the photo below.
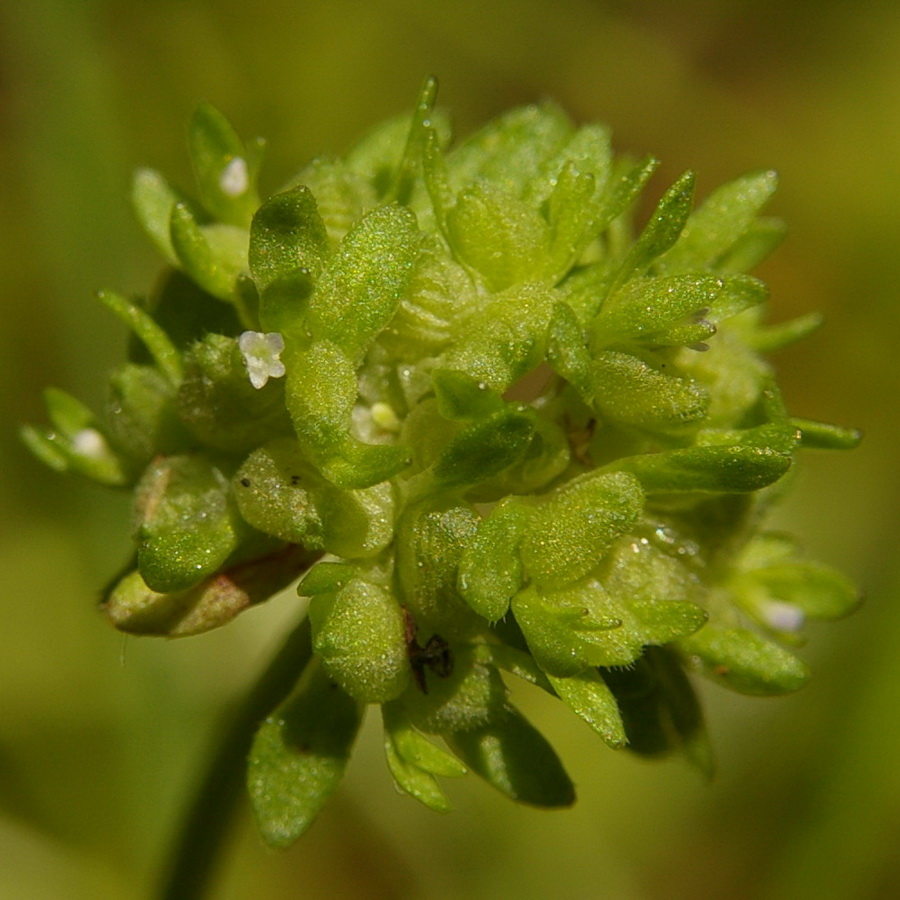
point(245, 482)
point(295, 480)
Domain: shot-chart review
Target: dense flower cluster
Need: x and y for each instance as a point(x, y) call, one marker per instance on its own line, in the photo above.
point(492, 430)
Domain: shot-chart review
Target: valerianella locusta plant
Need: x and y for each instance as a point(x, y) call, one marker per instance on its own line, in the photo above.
point(493, 432)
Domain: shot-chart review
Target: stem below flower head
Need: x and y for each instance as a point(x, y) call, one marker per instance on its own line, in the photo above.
point(194, 854)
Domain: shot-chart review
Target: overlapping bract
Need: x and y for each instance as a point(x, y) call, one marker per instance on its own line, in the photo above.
point(511, 436)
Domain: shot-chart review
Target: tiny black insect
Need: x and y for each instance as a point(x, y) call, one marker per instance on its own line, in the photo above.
point(436, 655)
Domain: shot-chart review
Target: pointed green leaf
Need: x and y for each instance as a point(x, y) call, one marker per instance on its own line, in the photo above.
point(663, 229)
point(416, 782)
point(516, 759)
point(739, 293)
point(485, 448)
point(490, 571)
point(287, 235)
point(299, 756)
point(622, 191)
point(376, 156)
point(822, 436)
point(784, 334)
point(430, 543)
point(649, 310)
point(723, 219)
point(564, 630)
point(815, 590)
point(148, 331)
point(566, 349)
point(414, 761)
point(187, 524)
point(660, 710)
point(573, 211)
point(409, 165)
point(673, 310)
point(743, 661)
point(78, 442)
point(44, 445)
point(224, 168)
point(153, 199)
point(213, 255)
point(360, 635)
point(588, 696)
point(661, 621)
point(67, 413)
point(86, 452)
point(758, 241)
point(359, 292)
point(413, 747)
point(437, 179)
point(573, 528)
point(629, 390)
point(707, 469)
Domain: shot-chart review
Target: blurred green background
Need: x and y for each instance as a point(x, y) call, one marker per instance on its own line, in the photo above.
point(100, 737)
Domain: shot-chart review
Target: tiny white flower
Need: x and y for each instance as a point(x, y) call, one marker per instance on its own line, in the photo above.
point(235, 177)
point(89, 442)
point(261, 352)
point(782, 616)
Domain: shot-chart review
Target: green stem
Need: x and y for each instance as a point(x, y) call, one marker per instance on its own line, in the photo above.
point(195, 853)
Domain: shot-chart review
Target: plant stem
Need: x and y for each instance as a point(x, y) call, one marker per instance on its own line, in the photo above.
point(194, 854)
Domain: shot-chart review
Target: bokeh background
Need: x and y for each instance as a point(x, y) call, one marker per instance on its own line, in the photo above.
point(101, 737)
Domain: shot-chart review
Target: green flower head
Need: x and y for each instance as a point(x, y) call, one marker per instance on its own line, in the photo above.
point(491, 430)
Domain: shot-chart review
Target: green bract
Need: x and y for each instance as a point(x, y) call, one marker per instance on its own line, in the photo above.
point(500, 434)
